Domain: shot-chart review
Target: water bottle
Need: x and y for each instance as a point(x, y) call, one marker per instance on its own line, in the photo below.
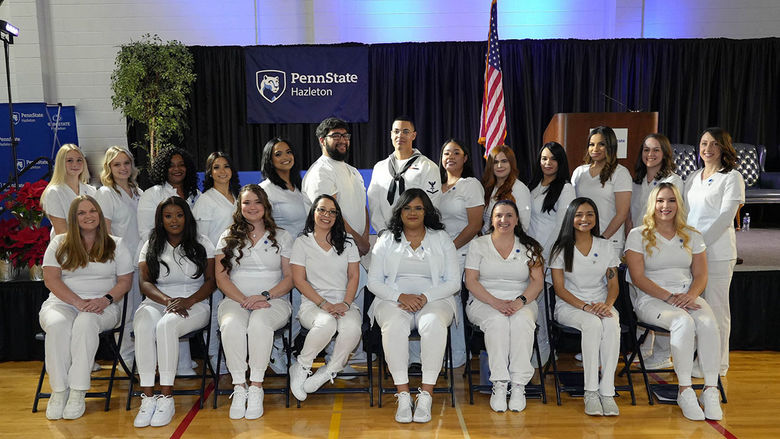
point(746, 223)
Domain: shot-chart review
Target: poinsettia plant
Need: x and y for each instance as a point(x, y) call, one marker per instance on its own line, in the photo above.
point(24, 240)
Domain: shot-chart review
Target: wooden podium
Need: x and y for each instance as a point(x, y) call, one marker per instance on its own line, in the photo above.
point(571, 130)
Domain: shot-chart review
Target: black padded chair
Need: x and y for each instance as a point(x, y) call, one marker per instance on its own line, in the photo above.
point(571, 381)
point(207, 372)
point(373, 339)
point(686, 160)
point(110, 338)
point(475, 343)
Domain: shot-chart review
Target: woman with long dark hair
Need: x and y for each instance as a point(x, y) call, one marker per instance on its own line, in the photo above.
point(714, 194)
point(177, 278)
point(414, 275)
point(69, 180)
point(667, 264)
point(607, 183)
point(501, 183)
point(325, 270)
point(498, 267)
point(584, 273)
point(88, 272)
point(253, 271)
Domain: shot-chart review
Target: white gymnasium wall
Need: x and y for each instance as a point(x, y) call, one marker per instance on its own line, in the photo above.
point(66, 49)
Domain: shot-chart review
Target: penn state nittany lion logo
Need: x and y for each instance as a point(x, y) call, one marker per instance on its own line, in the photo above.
point(17, 117)
point(271, 84)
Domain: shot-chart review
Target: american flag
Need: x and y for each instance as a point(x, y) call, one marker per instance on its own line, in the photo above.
point(492, 124)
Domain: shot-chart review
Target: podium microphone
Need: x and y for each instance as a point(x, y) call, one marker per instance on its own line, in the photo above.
point(620, 103)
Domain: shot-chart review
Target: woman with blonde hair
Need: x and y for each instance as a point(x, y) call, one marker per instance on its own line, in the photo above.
point(68, 181)
point(501, 183)
point(88, 272)
point(667, 265)
point(118, 198)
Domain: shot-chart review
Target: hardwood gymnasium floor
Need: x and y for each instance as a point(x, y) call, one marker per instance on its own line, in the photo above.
point(753, 411)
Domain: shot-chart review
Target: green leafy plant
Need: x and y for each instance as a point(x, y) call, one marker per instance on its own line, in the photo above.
point(151, 84)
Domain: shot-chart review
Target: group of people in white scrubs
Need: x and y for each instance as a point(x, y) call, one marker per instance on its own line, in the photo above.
point(256, 244)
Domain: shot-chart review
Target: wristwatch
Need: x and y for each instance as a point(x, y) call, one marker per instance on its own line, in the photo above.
point(266, 294)
point(110, 298)
point(522, 297)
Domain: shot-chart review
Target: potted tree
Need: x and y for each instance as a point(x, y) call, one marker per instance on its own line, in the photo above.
point(151, 85)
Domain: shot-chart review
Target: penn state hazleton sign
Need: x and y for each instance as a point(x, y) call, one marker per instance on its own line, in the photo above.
point(306, 84)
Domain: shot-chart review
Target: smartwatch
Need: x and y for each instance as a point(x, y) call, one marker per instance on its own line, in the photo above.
point(522, 297)
point(266, 294)
point(110, 298)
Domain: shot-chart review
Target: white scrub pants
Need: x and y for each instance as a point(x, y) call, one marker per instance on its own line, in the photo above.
point(690, 330)
point(72, 339)
point(716, 293)
point(600, 345)
point(157, 338)
point(322, 326)
point(431, 322)
point(242, 329)
point(509, 341)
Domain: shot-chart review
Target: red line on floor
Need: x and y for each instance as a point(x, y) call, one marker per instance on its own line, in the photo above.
point(191, 414)
point(714, 424)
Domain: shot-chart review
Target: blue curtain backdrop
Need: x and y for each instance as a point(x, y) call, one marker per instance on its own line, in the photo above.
point(693, 84)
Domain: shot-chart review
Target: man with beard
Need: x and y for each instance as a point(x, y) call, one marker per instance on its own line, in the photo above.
point(331, 175)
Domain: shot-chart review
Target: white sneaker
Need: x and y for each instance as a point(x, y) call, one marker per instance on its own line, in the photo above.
point(56, 405)
point(422, 407)
point(403, 414)
point(710, 399)
point(498, 398)
point(314, 382)
point(689, 406)
point(75, 406)
point(238, 403)
point(298, 375)
point(517, 398)
point(609, 406)
point(146, 411)
point(348, 369)
point(95, 366)
point(658, 363)
point(164, 411)
point(578, 356)
point(254, 402)
point(593, 403)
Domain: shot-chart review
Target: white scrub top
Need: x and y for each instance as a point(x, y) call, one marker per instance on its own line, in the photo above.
point(344, 183)
point(466, 193)
point(522, 199)
point(214, 214)
point(59, 197)
point(588, 277)
point(289, 208)
point(506, 279)
point(260, 268)
point(545, 226)
point(176, 280)
point(326, 271)
point(147, 206)
point(604, 197)
point(122, 210)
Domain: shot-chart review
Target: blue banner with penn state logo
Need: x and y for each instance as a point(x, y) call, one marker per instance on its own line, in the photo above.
point(306, 84)
point(40, 130)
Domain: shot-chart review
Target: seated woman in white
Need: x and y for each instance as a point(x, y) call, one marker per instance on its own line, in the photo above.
point(253, 271)
point(504, 275)
point(668, 266)
point(177, 278)
point(414, 274)
point(325, 270)
point(584, 273)
point(87, 272)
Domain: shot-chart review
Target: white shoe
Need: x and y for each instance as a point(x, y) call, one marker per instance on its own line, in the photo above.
point(348, 369)
point(254, 402)
point(422, 407)
point(403, 414)
point(498, 398)
point(314, 382)
point(689, 405)
point(710, 399)
point(164, 411)
point(298, 375)
point(517, 398)
point(56, 405)
point(95, 366)
point(593, 403)
point(578, 357)
point(146, 411)
point(658, 363)
point(75, 406)
point(238, 403)
point(609, 406)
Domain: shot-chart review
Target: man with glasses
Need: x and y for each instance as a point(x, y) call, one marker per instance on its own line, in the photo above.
point(405, 168)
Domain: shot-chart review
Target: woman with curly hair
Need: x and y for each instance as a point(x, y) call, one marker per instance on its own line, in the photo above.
point(714, 194)
point(253, 271)
point(501, 183)
point(177, 278)
point(172, 174)
point(667, 264)
point(607, 183)
point(498, 267)
point(88, 272)
point(69, 180)
point(414, 275)
point(325, 270)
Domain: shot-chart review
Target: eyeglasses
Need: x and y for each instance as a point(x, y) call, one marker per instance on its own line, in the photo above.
point(339, 136)
point(326, 212)
point(404, 132)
